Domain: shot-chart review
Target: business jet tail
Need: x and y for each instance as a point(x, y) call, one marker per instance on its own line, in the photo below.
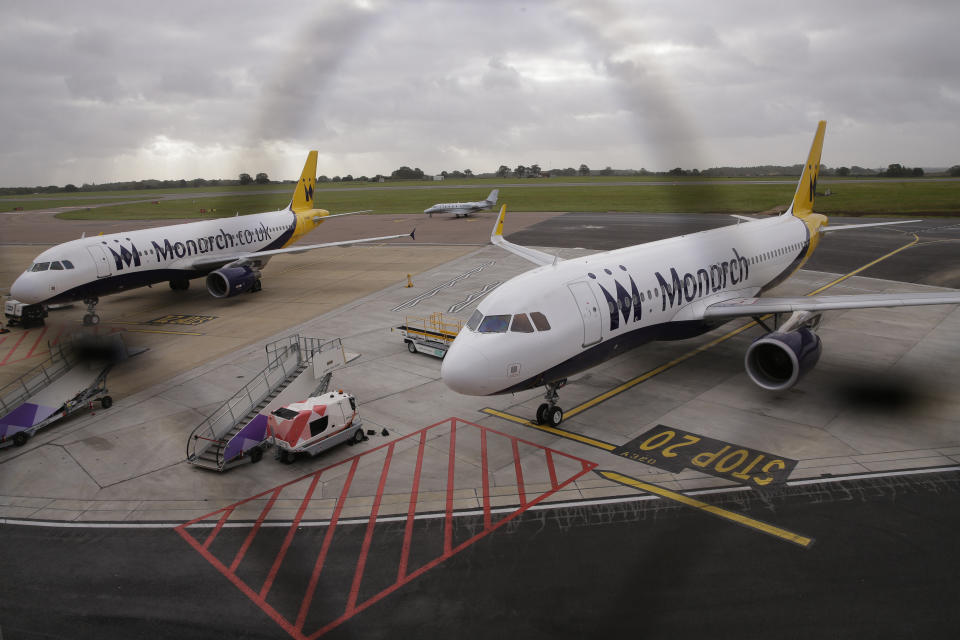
point(492, 198)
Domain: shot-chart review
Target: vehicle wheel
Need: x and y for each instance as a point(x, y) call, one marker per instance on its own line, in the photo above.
point(257, 285)
point(542, 413)
point(286, 457)
point(255, 454)
point(20, 438)
point(555, 416)
point(106, 402)
point(411, 347)
point(358, 436)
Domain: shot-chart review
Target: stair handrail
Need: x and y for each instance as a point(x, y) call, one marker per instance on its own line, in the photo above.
point(225, 417)
point(17, 391)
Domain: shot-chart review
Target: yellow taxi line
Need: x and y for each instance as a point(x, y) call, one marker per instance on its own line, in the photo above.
point(739, 518)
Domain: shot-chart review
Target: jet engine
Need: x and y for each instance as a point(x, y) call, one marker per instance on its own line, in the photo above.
point(229, 281)
point(778, 360)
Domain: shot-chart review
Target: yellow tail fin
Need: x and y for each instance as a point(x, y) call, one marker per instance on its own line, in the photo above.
point(802, 205)
point(303, 194)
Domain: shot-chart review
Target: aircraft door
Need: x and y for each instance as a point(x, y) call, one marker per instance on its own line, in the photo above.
point(100, 258)
point(589, 312)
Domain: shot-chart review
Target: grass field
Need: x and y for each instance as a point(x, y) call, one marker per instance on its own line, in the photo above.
point(928, 197)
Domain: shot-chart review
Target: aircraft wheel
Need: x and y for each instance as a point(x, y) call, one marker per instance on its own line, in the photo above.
point(358, 436)
point(555, 416)
point(542, 413)
point(106, 402)
point(91, 319)
point(411, 347)
point(20, 438)
point(255, 454)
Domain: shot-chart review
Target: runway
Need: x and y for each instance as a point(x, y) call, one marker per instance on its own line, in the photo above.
point(880, 402)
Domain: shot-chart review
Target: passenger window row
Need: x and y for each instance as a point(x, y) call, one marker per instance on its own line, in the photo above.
point(518, 323)
point(769, 255)
point(52, 266)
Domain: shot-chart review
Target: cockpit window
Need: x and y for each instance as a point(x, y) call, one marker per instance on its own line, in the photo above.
point(67, 264)
point(41, 266)
point(540, 321)
point(495, 324)
point(56, 266)
point(474, 320)
point(521, 324)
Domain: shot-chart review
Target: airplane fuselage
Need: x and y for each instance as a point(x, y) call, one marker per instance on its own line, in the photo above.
point(100, 265)
point(605, 304)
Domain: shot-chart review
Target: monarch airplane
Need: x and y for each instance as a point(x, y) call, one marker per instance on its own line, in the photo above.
point(229, 252)
point(464, 208)
point(566, 316)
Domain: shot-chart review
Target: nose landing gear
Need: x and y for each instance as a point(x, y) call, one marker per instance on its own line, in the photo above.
point(548, 412)
point(91, 318)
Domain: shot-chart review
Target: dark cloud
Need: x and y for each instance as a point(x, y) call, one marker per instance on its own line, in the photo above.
point(101, 90)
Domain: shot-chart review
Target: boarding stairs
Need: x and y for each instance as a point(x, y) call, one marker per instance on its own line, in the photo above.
point(18, 391)
point(213, 443)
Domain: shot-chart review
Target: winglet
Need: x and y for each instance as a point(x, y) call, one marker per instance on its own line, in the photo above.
point(802, 205)
point(412, 236)
point(498, 227)
point(303, 193)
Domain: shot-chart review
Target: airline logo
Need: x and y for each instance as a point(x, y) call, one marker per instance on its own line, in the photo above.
point(129, 257)
point(167, 250)
point(308, 190)
point(814, 174)
point(709, 279)
point(626, 304)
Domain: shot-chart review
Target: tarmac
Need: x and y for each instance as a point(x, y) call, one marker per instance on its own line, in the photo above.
point(880, 400)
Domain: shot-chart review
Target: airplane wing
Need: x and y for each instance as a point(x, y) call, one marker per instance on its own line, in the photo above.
point(737, 307)
point(534, 256)
point(242, 259)
point(844, 227)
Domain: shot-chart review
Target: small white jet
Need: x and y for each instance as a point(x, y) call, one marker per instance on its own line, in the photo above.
point(566, 316)
point(229, 252)
point(464, 208)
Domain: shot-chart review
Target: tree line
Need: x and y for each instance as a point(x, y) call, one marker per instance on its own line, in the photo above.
point(520, 171)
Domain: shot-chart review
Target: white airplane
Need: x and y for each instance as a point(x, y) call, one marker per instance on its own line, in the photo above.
point(229, 252)
point(464, 208)
point(566, 316)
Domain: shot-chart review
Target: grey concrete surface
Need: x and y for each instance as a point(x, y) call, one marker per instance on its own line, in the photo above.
point(879, 399)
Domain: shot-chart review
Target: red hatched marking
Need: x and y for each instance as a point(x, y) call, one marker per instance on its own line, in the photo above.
point(408, 462)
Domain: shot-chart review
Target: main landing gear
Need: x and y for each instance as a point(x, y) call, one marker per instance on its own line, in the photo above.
point(91, 318)
point(548, 412)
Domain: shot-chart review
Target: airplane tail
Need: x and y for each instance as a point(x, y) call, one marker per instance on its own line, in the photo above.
point(302, 203)
point(492, 198)
point(802, 205)
point(303, 193)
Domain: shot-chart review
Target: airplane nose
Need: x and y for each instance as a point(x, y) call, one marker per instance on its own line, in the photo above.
point(25, 289)
point(463, 370)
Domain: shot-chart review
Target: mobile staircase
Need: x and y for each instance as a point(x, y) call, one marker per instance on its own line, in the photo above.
point(71, 379)
point(236, 432)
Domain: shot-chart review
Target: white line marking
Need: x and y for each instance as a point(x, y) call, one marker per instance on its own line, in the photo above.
point(459, 514)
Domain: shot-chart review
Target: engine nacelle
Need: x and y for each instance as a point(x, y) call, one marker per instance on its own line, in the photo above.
point(777, 360)
point(229, 281)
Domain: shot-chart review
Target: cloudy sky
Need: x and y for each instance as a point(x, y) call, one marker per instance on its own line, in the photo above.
point(99, 91)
